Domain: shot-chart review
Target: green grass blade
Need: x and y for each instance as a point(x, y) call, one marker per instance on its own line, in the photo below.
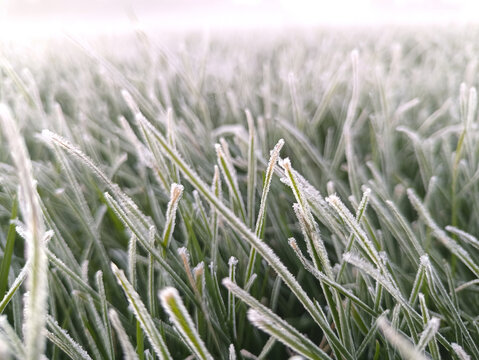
point(128, 350)
point(269, 322)
point(146, 321)
point(64, 341)
point(37, 279)
point(173, 305)
point(7, 256)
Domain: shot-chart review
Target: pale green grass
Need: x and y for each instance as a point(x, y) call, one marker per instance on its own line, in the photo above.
point(303, 195)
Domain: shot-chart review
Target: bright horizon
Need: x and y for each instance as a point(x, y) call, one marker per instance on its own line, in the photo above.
point(26, 19)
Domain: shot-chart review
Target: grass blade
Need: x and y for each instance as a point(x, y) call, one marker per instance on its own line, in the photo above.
point(128, 350)
point(251, 169)
point(271, 323)
point(402, 344)
point(37, 280)
point(7, 256)
point(260, 221)
point(64, 341)
point(173, 305)
point(154, 336)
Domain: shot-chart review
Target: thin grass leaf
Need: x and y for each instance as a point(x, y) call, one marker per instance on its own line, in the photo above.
point(360, 263)
point(175, 196)
point(14, 287)
point(231, 299)
point(216, 190)
point(432, 327)
point(227, 169)
point(151, 275)
point(418, 281)
point(402, 344)
point(369, 336)
point(132, 260)
point(64, 341)
point(72, 275)
point(354, 226)
point(281, 334)
point(316, 249)
point(129, 220)
point(461, 354)
point(323, 278)
point(8, 253)
point(37, 280)
point(173, 305)
point(442, 297)
point(251, 169)
point(449, 243)
point(468, 238)
point(171, 136)
point(128, 350)
point(142, 222)
point(272, 324)
point(154, 336)
point(432, 343)
point(359, 214)
point(108, 339)
point(13, 341)
point(260, 221)
point(267, 348)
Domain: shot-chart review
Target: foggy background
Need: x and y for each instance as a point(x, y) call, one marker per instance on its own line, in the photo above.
point(47, 17)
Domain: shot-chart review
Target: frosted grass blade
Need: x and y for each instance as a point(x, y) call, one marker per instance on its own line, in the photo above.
point(175, 196)
point(64, 341)
point(128, 350)
point(251, 169)
point(37, 280)
point(13, 341)
point(449, 243)
point(173, 305)
point(402, 344)
point(461, 354)
point(282, 335)
point(271, 323)
point(227, 169)
point(8, 252)
point(14, 287)
point(260, 221)
point(154, 336)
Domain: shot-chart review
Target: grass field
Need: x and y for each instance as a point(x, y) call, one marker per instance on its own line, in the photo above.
point(257, 196)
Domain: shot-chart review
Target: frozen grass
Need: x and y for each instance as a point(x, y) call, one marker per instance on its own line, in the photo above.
point(304, 195)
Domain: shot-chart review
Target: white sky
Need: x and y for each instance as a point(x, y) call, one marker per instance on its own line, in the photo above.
point(33, 18)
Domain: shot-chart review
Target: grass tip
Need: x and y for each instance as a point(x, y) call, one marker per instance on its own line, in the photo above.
point(232, 261)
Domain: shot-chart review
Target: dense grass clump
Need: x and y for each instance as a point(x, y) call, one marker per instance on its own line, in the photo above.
point(311, 195)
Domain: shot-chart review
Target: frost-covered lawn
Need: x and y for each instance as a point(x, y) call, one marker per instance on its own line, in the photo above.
point(247, 196)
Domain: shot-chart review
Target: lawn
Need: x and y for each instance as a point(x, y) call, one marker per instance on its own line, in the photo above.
point(291, 194)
